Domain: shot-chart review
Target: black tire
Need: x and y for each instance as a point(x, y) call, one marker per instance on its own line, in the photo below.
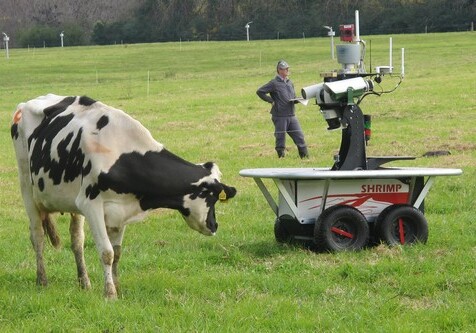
point(281, 233)
point(374, 239)
point(341, 228)
point(402, 225)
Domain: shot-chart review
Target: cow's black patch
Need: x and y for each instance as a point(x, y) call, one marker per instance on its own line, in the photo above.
point(157, 179)
point(87, 169)
point(86, 101)
point(69, 163)
point(41, 184)
point(56, 109)
point(212, 224)
point(103, 121)
point(72, 160)
point(14, 131)
point(208, 165)
point(92, 191)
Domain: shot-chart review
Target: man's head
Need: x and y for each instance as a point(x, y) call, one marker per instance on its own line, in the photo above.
point(282, 65)
point(282, 68)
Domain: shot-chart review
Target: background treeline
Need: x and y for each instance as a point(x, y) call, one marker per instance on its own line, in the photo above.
point(38, 23)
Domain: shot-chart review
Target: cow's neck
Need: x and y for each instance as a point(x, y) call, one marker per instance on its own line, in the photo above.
point(159, 179)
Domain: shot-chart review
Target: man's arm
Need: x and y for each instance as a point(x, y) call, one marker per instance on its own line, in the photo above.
point(263, 92)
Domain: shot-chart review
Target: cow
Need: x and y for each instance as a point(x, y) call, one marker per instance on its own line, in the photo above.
point(79, 156)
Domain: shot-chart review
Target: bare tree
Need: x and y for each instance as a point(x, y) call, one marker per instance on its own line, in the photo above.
point(16, 15)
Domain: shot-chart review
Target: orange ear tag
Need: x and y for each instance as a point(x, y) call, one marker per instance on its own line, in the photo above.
point(17, 116)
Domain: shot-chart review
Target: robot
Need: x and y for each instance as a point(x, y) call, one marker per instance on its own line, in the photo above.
point(356, 202)
point(339, 97)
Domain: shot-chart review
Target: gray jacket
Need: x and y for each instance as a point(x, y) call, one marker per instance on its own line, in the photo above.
point(279, 92)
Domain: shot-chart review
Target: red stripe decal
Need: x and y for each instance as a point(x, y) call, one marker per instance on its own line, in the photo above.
point(342, 232)
point(401, 231)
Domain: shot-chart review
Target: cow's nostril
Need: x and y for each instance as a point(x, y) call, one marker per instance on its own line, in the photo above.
point(212, 226)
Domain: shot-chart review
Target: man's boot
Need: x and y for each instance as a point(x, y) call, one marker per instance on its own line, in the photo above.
point(303, 152)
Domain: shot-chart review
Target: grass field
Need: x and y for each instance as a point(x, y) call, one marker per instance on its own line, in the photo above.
point(199, 100)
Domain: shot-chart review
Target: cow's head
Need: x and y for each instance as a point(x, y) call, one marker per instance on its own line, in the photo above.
point(200, 204)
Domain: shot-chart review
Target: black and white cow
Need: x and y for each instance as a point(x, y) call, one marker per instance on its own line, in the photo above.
point(81, 156)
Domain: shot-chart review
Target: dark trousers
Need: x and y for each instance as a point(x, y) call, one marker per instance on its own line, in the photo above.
point(291, 126)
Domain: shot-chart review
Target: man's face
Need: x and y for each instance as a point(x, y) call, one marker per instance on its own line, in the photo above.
point(283, 72)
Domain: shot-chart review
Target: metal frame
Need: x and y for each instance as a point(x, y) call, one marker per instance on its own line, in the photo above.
point(278, 175)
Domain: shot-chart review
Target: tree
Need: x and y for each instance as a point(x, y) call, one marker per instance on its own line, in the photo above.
point(133, 21)
point(39, 36)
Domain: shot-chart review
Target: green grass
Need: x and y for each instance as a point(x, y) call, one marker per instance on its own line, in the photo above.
point(201, 104)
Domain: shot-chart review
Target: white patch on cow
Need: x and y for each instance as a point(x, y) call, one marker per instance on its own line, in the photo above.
point(121, 209)
point(56, 198)
point(197, 220)
point(215, 174)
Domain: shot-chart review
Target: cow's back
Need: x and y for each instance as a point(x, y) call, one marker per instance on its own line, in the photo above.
point(63, 143)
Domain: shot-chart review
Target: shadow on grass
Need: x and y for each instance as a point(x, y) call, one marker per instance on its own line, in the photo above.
point(271, 248)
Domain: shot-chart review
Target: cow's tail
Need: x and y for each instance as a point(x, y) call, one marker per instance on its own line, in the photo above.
point(49, 227)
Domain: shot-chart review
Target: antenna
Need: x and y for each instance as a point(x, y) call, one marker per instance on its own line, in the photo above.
point(370, 46)
point(357, 28)
point(403, 62)
point(247, 26)
point(390, 60)
point(6, 39)
point(331, 33)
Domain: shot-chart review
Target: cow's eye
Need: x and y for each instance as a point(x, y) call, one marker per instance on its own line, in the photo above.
point(203, 193)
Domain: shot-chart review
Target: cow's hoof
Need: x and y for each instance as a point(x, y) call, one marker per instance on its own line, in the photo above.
point(41, 281)
point(110, 291)
point(84, 283)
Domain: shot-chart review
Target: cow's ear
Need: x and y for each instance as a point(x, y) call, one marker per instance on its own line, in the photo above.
point(227, 192)
point(208, 165)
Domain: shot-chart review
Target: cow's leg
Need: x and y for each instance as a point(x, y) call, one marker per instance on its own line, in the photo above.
point(106, 254)
point(94, 213)
point(37, 238)
point(115, 237)
point(37, 232)
point(76, 230)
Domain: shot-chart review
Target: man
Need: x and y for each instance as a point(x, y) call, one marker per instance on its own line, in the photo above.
point(280, 93)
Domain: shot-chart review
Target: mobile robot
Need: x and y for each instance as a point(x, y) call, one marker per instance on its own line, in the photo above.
point(356, 200)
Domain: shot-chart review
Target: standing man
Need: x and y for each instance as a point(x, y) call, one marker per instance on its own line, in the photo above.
point(280, 93)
